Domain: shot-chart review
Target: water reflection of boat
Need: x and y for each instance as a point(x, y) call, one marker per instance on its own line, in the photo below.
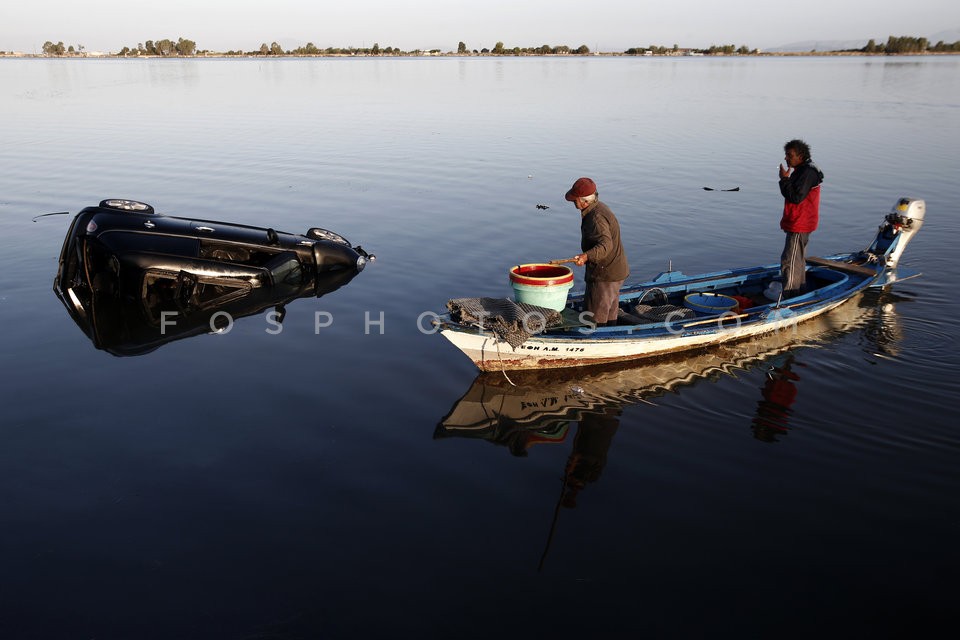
point(531, 407)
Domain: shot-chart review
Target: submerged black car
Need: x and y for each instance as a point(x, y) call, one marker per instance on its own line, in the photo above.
point(133, 279)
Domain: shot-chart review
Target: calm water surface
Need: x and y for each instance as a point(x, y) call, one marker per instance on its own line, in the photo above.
point(362, 480)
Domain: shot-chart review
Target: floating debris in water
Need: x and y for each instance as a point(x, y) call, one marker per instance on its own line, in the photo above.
point(44, 215)
point(542, 206)
point(712, 189)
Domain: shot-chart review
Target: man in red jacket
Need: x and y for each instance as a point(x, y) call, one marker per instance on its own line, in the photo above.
point(800, 186)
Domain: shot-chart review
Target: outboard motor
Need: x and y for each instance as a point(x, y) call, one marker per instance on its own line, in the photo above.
point(898, 228)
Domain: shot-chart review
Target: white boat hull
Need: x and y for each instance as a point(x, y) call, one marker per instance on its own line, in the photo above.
point(489, 353)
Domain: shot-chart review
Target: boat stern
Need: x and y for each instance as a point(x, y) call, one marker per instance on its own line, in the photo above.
point(898, 229)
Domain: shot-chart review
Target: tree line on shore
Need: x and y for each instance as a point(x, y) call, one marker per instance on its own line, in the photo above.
point(186, 47)
point(908, 44)
point(895, 45)
point(165, 47)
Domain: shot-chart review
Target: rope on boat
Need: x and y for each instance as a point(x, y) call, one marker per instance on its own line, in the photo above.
point(503, 369)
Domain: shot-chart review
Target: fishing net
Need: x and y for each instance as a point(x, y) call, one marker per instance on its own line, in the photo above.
point(512, 322)
point(662, 312)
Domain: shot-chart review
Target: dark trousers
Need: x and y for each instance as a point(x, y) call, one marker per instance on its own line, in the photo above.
point(793, 263)
point(603, 300)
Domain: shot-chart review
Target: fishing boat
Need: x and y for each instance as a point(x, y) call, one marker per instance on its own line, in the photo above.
point(538, 406)
point(675, 312)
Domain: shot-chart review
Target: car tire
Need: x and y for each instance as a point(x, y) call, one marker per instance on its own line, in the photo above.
point(316, 233)
point(129, 206)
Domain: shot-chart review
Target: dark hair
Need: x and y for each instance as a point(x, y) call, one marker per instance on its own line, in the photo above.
point(800, 147)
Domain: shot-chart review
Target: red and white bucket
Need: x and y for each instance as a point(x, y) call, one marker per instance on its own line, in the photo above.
point(543, 285)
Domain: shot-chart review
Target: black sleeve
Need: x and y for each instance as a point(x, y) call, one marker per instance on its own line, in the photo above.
point(795, 188)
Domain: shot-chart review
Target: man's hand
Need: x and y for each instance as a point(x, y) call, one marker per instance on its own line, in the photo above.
point(580, 259)
point(784, 172)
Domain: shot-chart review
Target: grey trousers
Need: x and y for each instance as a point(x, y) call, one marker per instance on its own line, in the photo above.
point(793, 263)
point(603, 300)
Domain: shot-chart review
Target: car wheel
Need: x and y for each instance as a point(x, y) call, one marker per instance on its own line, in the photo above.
point(134, 206)
point(316, 233)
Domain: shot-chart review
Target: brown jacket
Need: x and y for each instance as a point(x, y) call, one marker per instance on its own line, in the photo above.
point(600, 240)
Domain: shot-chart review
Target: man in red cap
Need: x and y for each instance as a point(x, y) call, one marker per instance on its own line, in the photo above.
point(603, 252)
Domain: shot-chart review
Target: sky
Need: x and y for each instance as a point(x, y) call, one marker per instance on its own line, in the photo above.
point(601, 25)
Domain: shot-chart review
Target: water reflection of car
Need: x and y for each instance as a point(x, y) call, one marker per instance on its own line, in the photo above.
point(133, 279)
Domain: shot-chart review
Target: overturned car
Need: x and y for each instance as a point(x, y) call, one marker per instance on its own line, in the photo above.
point(125, 270)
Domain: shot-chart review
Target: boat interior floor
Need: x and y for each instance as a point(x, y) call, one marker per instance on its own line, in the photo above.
point(631, 314)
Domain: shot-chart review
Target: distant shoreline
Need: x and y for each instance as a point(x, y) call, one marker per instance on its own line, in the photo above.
point(764, 54)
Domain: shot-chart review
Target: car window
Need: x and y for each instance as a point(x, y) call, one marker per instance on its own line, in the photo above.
point(185, 293)
point(285, 268)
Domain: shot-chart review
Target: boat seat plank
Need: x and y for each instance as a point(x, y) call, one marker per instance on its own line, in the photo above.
point(842, 266)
